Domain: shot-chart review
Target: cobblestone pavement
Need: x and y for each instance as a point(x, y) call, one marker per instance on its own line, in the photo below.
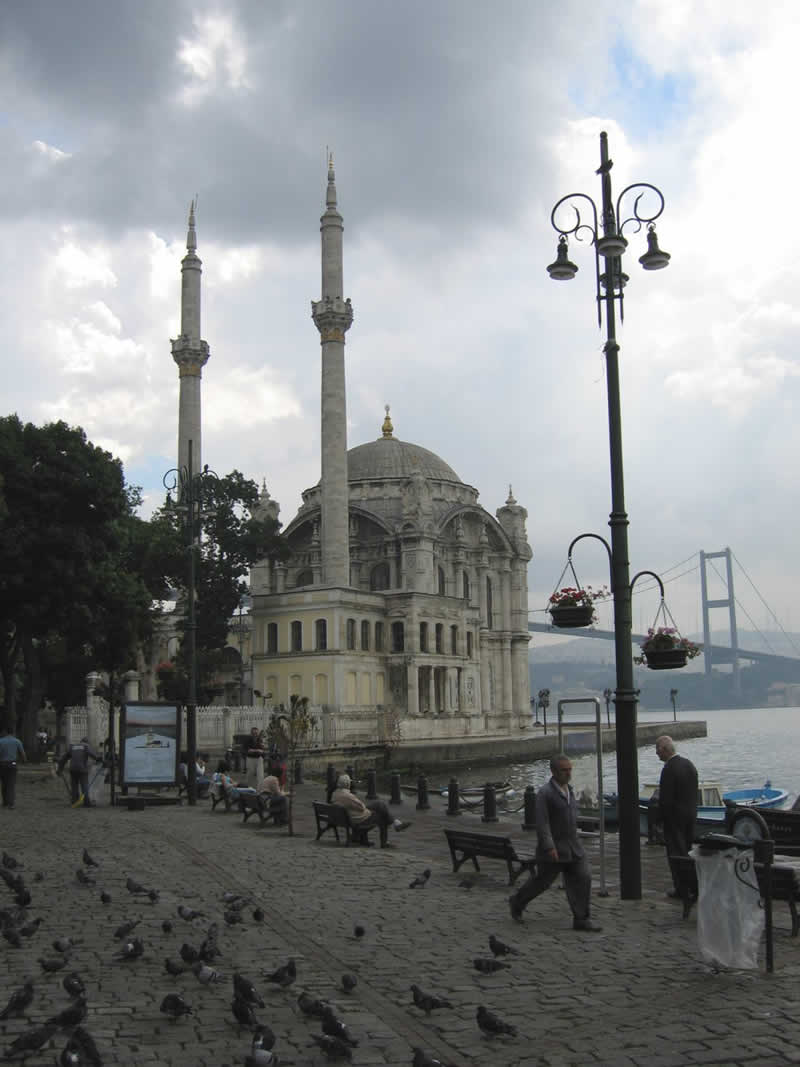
point(635, 994)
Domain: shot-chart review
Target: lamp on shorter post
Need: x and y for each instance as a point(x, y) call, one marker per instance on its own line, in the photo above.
point(607, 694)
point(544, 704)
point(673, 694)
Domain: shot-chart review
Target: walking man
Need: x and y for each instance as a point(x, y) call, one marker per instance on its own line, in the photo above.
point(78, 756)
point(677, 803)
point(10, 751)
point(558, 849)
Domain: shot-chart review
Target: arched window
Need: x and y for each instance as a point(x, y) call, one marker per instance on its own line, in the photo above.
point(465, 585)
point(489, 612)
point(379, 637)
point(398, 637)
point(321, 634)
point(439, 637)
point(304, 578)
point(272, 637)
point(297, 636)
point(351, 635)
point(365, 635)
point(379, 577)
point(442, 583)
point(423, 637)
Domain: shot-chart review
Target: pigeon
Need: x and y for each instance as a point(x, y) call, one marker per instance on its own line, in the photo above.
point(422, 1059)
point(358, 932)
point(232, 917)
point(238, 904)
point(427, 1001)
point(245, 990)
point(261, 1057)
point(421, 879)
point(53, 965)
point(153, 895)
point(334, 1027)
point(166, 926)
point(263, 1038)
point(492, 1025)
point(259, 915)
point(73, 984)
point(283, 976)
point(23, 898)
point(204, 974)
point(134, 887)
point(19, 1000)
point(309, 1005)
point(126, 928)
point(30, 1041)
point(83, 877)
point(9, 862)
point(64, 944)
point(229, 898)
point(189, 913)
point(131, 950)
point(490, 966)
point(349, 982)
point(189, 954)
point(243, 1012)
point(87, 859)
point(466, 883)
point(333, 1048)
point(11, 934)
point(175, 1006)
point(500, 949)
point(173, 967)
point(80, 1050)
point(105, 897)
point(72, 1015)
point(29, 929)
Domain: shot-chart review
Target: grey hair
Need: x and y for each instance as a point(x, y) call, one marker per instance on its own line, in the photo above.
point(343, 781)
point(560, 757)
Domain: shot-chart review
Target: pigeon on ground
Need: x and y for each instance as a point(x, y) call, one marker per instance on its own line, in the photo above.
point(19, 1000)
point(80, 1050)
point(333, 1048)
point(492, 1025)
point(29, 929)
point(261, 1058)
point(232, 917)
point(105, 897)
point(30, 1041)
point(349, 982)
point(52, 965)
point(23, 898)
point(87, 859)
point(73, 984)
point(421, 879)
point(427, 1001)
point(83, 877)
point(204, 974)
point(11, 934)
point(64, 944)
point(189, 954)
point(189, 913)
point(466, 883)
point(486, 966)
point(72, 1015)
point(283, 976)
point(263, 1038)
point(131, 950)
point(309, 1005)
point(334, 1027)
point(175, 1006)
point(500, 949)
point(9, 862)
point(228, 897)
point(173, 967)
point(422, 1059)
point(126, 928)
point(238, 904)
point(246, 991)
point(134, 887)
point(243, 1012)
point(166, 926)
point(358, 932)
point(153, 895)
point(259, 915)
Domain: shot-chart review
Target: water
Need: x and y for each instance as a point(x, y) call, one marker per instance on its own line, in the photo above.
point(744, 748)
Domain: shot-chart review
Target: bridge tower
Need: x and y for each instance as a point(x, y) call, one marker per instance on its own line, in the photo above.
point(728, 602)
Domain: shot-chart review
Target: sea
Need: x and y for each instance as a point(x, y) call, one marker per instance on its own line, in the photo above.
point(744, 748)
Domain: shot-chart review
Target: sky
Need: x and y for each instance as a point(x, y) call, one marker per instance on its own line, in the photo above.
point(455, 127)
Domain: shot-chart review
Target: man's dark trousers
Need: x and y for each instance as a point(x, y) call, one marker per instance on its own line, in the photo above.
point(79, 781)
point(8, 783)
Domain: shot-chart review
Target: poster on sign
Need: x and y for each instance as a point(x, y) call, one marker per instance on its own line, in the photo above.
point(149, 743)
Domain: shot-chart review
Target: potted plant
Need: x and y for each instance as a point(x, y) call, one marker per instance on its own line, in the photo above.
point(570, 608)
point(664, 649)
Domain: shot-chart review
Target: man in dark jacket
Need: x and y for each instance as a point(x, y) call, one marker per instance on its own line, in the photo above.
point(11, 751)
point(558, 849)
point(677, 804)
point(78, 756)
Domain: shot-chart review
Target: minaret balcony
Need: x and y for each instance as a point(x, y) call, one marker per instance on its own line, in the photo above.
point(332, 315)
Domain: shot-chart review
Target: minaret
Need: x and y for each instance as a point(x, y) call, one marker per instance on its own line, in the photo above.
point(190, 353)
point(332, 316)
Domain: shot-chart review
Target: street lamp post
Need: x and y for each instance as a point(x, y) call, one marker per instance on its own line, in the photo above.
point(544, 704)
point(673, 693)
point(610, 244)
point(607, 694)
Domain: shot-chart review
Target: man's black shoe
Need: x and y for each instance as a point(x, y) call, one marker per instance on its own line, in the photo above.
point(516, 913)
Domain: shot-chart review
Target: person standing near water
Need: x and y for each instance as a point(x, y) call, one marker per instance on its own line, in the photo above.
point(677, 804)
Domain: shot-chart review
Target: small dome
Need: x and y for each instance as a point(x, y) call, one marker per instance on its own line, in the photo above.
point(389, 458)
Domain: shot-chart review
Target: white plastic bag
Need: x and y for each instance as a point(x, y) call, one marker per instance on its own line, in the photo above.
point(730, 919)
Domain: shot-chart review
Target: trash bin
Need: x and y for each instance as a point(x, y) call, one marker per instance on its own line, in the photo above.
point(730, 920)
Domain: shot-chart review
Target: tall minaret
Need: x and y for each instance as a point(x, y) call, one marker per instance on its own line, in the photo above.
point(332, 316)
point(190, 353)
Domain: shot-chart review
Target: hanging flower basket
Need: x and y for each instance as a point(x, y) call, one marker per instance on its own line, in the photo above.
point(665, 659)
point(665, 650)
point(571, 607)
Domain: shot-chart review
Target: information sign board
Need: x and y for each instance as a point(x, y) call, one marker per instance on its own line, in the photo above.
point(149, 743)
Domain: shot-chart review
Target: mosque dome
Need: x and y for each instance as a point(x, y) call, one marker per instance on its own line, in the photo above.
point(389, 458)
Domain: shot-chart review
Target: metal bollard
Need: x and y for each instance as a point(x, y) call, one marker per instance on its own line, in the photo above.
point(330, 775)
point(530, 809)
point(298, 772)
point(452, 798)
point(395, 797)
point(372, 793)
point(423, 804)
point(489, 804)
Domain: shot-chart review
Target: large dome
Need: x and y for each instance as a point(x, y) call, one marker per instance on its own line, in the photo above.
point(389, 458)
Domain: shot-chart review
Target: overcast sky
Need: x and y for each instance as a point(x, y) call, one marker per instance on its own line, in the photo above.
point(455, 127)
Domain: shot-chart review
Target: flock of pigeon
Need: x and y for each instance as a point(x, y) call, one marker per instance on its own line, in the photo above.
point(334, 1042)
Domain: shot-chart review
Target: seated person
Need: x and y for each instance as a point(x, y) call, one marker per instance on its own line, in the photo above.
point(278, 800)
point(363, 815)
point(222, 783)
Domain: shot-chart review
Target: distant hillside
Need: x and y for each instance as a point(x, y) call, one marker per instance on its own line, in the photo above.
point(544, 649)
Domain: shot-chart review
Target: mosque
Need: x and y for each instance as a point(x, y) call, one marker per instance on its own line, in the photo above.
point(402, 608)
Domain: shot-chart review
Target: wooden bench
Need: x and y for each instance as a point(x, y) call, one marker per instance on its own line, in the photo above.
point(257, 804)
point(466, 845)
point(220, 794)
point(334, 817)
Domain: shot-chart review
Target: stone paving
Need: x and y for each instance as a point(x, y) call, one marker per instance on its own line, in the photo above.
point(635, 994)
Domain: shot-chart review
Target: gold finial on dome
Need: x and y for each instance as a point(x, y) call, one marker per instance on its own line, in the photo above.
point(511, 499)
point(387, 423)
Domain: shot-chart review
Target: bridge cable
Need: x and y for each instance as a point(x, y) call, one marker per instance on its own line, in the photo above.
point(766, 605)
point(739, 604)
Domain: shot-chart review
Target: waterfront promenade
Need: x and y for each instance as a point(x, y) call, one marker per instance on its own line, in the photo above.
point(635, 994)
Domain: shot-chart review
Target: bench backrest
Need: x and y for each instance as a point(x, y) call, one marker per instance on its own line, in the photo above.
point(334, 813)
point(488, 845)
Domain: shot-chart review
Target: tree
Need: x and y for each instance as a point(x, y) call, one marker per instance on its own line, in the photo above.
point(288, 734)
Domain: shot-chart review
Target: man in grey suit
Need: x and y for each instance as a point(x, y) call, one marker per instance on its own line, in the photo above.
point(677, 804)
point(558, 849)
